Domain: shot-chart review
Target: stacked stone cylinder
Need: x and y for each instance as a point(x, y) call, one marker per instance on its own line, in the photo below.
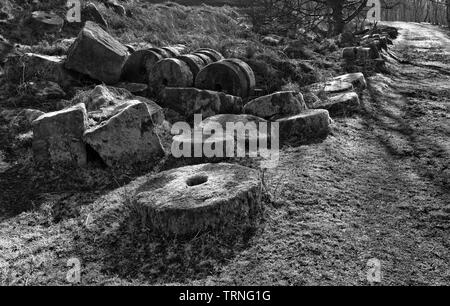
point(178, 70)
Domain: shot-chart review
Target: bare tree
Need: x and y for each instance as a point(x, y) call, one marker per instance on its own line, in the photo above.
point(448, 13)
point(308, 14)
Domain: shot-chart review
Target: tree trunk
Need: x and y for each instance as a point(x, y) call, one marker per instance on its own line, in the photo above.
point(448, 13)
point(337, 7)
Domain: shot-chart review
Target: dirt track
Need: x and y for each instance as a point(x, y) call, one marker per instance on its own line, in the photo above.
point(378, 187)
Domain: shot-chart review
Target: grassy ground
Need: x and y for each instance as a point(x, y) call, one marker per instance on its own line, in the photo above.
point(378, 187)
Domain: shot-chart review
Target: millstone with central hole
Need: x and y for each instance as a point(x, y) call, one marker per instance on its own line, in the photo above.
point(169, 72)
point(207, 197)
point(194, 62)
point(230, 76)
point(139, 65)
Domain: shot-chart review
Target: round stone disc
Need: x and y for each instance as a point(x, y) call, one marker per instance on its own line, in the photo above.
point(138, 66)
point(189, 200)
point(172, 51)
point(206, 59)
point(223, 76)
point(248, 72)
point(213, 54)
point(161, 51)
point(170, 72)
point(194, 62)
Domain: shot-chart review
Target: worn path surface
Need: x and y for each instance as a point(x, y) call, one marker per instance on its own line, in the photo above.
point(378, 188)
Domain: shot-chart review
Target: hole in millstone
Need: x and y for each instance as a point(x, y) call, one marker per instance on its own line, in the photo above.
point(196, 180)
point(165, 82)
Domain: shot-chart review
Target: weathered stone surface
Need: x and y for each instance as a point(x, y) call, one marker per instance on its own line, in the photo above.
point(156, 111)
point(97, 54)
point(247, 72)
point(31, 66)
point(339, 104)
point(362, 54)
point(309, 126)
point(214, 55)
point(194, 62)
point(102, 103)
point(189, 200)
point(223, 76)
point(102, 96)
point(191, 101)
point(164, 53)
point(91, 13)
point(170, 72)
point(139, 65)
point(357, 79)
point(276, 105)
point(44, 22)
point(223, 119)
point(58, 136)
point(206, 59)
point(311, 99)
point(173, 52)
point(188, 146)
point(330, 87)
point(127, 137)
point(236, 125)
point(349, 53)
point(138, 89)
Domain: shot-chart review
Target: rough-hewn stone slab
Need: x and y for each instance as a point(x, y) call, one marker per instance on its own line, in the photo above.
point(309, 126)
point(357, 79)
point(97, 54)
point(191, 101)
point(279, 104)
point(330, 87)
point(127, 137)
point(58, 137)
point(339, 104)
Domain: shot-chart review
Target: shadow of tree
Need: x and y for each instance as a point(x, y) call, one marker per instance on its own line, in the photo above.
point(393, 123)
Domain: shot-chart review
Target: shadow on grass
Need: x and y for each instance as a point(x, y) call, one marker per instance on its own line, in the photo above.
point(383, 120)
